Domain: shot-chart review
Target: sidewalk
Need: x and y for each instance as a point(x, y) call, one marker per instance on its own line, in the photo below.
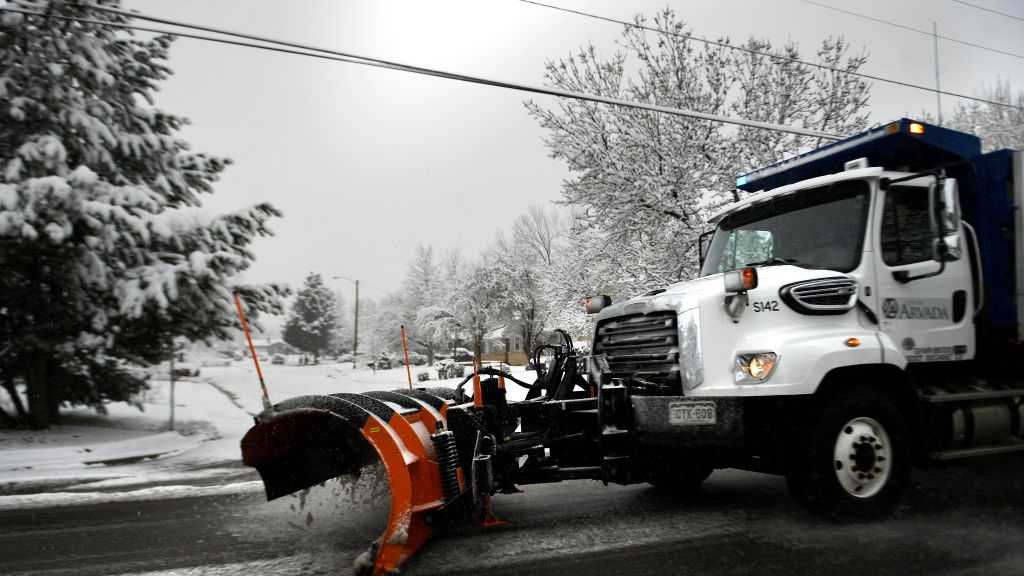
point(127, 448)
point(127, 451)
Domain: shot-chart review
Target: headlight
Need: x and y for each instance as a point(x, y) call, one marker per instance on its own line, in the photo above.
point(755, 367)
point(691, 359)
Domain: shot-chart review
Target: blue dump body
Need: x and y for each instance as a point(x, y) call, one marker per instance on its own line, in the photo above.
point(986, 193)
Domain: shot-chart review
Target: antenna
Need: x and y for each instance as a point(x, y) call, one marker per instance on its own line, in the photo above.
point(252, 352)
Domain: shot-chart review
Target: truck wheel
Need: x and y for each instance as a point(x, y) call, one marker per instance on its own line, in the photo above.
point(855, 458)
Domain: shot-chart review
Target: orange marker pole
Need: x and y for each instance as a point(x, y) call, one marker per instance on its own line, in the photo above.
point(478, 396)
point(252, 352)
point(405, 350)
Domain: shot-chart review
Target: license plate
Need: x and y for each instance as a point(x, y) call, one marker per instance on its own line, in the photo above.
point(691, 413)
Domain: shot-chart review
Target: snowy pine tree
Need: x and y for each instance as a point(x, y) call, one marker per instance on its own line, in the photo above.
point(313, 319)
point(105, 252)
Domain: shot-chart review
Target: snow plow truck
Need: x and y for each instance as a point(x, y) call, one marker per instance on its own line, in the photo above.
point(858, 314)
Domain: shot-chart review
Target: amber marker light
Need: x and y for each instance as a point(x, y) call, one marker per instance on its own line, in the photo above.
point(916, 128)
point(749, 278)
point(742, 280)
point(853, 342)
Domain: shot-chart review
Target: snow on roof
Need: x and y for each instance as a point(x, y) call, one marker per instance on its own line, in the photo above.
point(496, 333)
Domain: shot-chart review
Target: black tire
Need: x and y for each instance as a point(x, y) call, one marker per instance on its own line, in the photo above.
point(854, 459)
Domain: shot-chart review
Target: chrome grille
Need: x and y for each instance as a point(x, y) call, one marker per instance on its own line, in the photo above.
point(644, 347)
point(827, 296)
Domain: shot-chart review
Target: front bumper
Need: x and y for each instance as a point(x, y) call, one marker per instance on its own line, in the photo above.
point(656, 421)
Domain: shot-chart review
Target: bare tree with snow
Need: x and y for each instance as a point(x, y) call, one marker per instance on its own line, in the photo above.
point(538, 230)
point(997, 126)
point(642, 183)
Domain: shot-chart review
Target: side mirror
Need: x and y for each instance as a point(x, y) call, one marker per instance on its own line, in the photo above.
point(702, 248)
point(594, 304)
point(944, 202)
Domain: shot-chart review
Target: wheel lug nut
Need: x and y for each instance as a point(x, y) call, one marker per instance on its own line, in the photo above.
point(880, 458)
point(871, 476)
point(877, 470)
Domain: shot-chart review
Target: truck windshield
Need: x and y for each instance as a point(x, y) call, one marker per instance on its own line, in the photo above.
point(814, 228)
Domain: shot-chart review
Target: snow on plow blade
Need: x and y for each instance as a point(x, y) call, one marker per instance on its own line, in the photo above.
point(307, 440)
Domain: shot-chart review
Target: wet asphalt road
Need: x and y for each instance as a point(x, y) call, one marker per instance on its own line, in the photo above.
point(957, 520)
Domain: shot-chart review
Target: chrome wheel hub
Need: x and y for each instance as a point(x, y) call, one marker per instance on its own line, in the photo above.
point(862, 458)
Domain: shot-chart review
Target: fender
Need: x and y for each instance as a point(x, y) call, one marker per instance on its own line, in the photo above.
point(805, 358)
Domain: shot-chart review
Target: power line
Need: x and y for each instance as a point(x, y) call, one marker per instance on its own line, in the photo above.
point(912, 29)
point(767, 54)
point(348, 57)
point(989, 10)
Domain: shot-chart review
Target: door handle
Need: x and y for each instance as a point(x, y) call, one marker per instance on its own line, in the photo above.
point(979, 296)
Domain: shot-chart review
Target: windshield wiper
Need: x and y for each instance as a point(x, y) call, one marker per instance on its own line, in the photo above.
point(775, 262)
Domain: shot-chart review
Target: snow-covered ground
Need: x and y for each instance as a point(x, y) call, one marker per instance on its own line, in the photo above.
point(131, 451)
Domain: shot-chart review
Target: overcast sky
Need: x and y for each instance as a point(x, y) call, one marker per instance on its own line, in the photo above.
point(368, 163)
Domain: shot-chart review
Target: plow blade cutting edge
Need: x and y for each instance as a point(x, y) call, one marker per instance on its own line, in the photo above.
point(307, 440)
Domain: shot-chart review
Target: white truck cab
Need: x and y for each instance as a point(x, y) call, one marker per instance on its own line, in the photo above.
point(833, 332)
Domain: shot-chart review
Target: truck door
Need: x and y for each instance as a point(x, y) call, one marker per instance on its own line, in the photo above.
point(929, 319)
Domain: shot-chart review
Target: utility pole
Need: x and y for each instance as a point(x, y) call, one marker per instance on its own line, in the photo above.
point(355, 331)
point(170, 425)
point(938, 94)
point(355, 323)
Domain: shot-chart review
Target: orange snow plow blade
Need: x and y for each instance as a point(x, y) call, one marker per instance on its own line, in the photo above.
point(310, 439)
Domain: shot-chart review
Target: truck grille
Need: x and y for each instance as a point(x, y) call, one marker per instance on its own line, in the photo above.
point(644, 347)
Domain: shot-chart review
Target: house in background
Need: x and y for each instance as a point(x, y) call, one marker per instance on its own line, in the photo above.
point(504, 344)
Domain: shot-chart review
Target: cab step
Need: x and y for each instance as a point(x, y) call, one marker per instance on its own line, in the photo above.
point(976, 396)
point(956, 454)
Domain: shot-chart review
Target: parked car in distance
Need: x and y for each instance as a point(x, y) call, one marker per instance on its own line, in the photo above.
point(214, 361)
point(162, 371)
point(277, 359)
point(449, 368)
point(463, 355)
point(381, 363)
point(415, 358)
